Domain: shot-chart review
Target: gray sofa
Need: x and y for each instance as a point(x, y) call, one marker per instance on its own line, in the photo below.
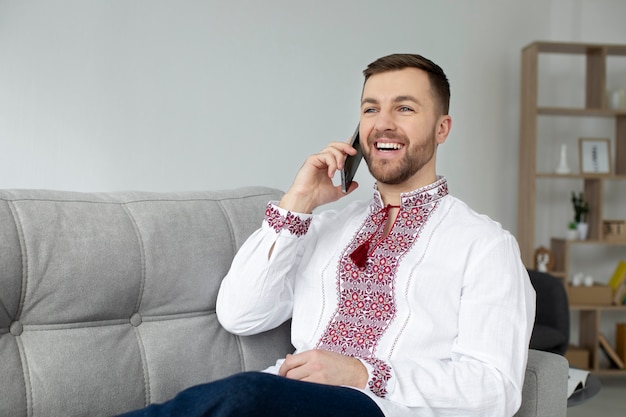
point(107, 301)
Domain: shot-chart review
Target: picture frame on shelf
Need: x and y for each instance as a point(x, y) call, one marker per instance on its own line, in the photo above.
point(595, 156)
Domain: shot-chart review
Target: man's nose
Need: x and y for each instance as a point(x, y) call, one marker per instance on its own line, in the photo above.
point(384, 121)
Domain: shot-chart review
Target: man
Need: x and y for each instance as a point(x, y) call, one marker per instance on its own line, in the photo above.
point(410, 304)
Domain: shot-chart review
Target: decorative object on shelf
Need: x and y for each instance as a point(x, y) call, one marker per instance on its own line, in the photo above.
point(595, 156)
point(618, 99)
point(572, 231)
point(581, 208)
point(563, 168)
point(544, 259)
point(577, 279)
point(618, 283)
point(614, 230)
point(606, 347)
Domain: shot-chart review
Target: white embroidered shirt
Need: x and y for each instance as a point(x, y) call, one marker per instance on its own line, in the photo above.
point(440, 313)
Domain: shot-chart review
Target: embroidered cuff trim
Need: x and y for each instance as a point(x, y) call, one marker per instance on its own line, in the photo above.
point(381, 374)
point(293, 223)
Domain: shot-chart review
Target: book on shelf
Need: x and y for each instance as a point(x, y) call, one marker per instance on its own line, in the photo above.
point(576, 380)
point(620, 340)
point(618, 283)
point(608, 350)
point(619, 295)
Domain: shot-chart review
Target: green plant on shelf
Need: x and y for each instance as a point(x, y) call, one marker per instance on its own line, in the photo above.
point(581, 208)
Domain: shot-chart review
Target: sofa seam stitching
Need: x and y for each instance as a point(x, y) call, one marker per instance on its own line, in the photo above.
point(142, 254)
point(28, 389)
point(24, 255)
point(242, 359)
point(536, 393)
point(47, 327)
point(229, 224)
point(144, 366)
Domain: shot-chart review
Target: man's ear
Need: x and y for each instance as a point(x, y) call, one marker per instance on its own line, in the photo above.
point(444, 124)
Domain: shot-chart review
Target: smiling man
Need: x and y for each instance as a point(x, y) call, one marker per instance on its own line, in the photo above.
point(403, 122)
point(409, 304)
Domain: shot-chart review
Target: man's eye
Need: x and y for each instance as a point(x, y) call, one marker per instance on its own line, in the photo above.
point(370, 110)
point(405, 108)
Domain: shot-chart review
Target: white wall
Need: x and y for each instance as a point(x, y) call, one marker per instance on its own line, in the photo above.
point(185, 95)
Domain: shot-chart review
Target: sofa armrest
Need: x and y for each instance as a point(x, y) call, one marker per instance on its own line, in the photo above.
point(545, 385)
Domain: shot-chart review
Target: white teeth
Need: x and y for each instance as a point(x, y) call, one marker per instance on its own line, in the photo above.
point(389, 146)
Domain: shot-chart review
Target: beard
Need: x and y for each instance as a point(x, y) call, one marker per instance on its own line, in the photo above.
point(395, 172)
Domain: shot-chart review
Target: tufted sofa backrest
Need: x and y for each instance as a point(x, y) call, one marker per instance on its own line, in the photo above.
point(107, 300)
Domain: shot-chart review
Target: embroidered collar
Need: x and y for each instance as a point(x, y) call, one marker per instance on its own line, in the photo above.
point(416, 198)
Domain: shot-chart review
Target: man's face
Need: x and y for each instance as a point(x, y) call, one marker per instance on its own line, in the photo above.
point(400, 128)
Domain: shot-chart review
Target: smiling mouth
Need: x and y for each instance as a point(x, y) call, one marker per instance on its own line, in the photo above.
point(386, 147)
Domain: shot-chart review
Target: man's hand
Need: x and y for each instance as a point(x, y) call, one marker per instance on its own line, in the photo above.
point(325, 367)
point(313, 185)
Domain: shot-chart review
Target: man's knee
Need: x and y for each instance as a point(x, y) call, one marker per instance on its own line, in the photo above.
point(248, 384)
point(240, 394)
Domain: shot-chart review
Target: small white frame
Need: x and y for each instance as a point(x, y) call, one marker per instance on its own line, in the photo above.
point(595, 156)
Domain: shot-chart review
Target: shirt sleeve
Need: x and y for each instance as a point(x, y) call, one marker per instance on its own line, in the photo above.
point(257, 293)
point(483, 375)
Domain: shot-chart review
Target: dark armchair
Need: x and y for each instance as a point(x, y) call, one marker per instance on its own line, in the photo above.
point(551, 330)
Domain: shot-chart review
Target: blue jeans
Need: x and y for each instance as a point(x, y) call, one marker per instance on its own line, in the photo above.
point(258, 394)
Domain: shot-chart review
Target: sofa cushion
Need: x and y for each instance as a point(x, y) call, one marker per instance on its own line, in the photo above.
point(108, 299)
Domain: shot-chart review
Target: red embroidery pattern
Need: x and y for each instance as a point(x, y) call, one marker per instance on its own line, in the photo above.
point(367, 304)
point(381, 375)
point(290, 222)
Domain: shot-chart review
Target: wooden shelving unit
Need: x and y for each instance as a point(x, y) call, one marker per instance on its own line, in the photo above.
point(589, 322)
point(595, 106)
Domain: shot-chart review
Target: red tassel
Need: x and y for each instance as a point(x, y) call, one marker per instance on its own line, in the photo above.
point(359, 256)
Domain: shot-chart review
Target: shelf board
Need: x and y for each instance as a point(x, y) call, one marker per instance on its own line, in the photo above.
point(593, 307)
point(576, 47)
point(590, 241)
point(573, 111)
point(552, 175)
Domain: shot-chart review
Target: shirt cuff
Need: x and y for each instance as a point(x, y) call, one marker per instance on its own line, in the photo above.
point(280, 219)
point(379, 375)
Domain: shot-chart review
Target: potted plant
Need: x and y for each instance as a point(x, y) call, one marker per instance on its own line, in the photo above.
point(572, 231)
point(581, 208)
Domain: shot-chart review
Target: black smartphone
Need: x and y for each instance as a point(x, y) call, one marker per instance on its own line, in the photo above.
point(352, 162)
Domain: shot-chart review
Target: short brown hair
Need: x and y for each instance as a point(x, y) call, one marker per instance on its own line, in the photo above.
point(438, 80)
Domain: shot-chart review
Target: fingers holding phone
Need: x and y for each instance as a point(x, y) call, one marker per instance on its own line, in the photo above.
point(313, 185)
